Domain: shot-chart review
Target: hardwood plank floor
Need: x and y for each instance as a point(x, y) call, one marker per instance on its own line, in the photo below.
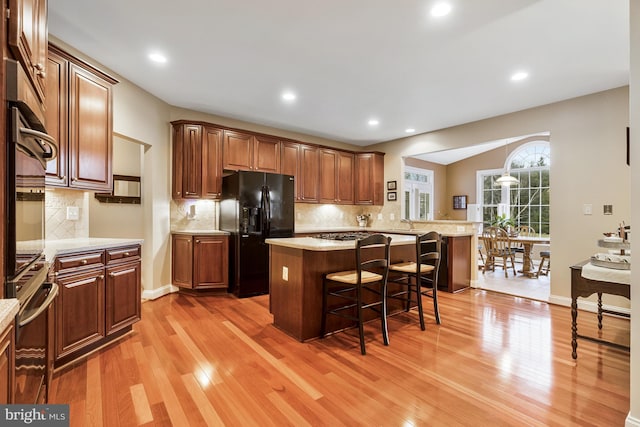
point(218, 360)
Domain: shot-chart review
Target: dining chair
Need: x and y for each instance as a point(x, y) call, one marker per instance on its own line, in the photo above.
point(418, 278)
point(544, 256)
point(347, 293)
point(499, 246)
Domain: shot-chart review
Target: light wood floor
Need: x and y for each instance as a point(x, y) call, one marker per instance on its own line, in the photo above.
point(495, 360)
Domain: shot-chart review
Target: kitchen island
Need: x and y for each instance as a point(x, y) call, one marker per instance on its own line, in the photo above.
point(296, 268)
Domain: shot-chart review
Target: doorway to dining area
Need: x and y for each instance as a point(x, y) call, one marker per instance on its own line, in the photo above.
point(476, 172)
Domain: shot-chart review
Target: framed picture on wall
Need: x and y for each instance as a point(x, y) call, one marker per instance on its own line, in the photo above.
point(459, 202)
point(392, 195)
point(392, 185)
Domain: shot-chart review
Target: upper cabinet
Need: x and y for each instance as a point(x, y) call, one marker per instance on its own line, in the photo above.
point(369, 183)
point(27, 40)
point(197, 161)
point(336, 176)
point(79, 115)
point(202, 151)
point(243, 151)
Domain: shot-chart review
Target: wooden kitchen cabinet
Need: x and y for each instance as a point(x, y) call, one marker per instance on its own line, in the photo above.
point(79, 114)
point(100, 298)
point(336, 176)
point(244, 151)
point(197, 161)
point(27, 39)
point(290, 163)
point(7, 365)
point(455, 265)
point(309, 185)
point(200, 262)
point(80, 311)
point(369, 181)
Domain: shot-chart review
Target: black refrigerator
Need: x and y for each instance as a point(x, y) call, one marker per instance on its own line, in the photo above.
point(255, 206)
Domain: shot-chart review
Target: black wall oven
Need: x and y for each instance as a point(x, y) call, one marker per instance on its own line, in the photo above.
point(28, 149)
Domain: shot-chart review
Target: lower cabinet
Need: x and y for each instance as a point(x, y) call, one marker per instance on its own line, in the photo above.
point(7, 365)
point(100, 298)
point(455, 264)
point(200, 262)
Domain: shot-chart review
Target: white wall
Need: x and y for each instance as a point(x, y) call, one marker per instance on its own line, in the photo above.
point(588, 155)
point(634, 122)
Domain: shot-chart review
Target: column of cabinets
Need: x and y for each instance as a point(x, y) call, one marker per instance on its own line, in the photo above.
point(100, 298)
point(197, 161)
point(27, 39)
point(79, 116)
point(200, 262)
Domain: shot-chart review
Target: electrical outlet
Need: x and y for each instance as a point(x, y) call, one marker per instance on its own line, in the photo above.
point(460, 228)
point(285, 273)
point(380, 216)
point(73, 213)
point(587, 209)
point(392, 217)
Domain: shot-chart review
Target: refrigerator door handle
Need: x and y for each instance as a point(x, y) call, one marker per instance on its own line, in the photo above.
point(267, 194)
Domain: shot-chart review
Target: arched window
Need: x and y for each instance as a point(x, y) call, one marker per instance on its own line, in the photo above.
point(528, 202)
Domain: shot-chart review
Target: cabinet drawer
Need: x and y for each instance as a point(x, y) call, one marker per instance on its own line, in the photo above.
point(66, 263)
point(117, 255)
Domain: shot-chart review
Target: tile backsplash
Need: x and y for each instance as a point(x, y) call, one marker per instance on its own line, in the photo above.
point(57, 226)
point(205, 218)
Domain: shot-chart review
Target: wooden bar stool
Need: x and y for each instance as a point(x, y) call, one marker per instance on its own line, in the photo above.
point(350, 287)
point(419, 278)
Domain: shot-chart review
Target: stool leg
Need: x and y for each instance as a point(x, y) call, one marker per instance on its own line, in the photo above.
point(323, 323)
point(383, 313)
point(360, 325)
point(435, 302)
point(419, 300)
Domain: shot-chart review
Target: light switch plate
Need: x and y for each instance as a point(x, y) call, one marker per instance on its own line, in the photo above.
point(392, 217)
point(587, 209)
point(380, 217)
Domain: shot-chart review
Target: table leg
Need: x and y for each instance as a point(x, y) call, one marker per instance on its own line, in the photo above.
point(526, 259)
point(599, 310)
point(574, 327)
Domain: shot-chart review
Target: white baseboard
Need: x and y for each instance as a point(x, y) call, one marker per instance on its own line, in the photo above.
point(632, 421)
point(158, 292)
point(591, 306)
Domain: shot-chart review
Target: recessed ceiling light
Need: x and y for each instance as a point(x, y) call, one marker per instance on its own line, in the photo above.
point(157, 57)
point(440, 9)
point(520, 75)
point(373, 122)
point(409, 130)
point(289, 96)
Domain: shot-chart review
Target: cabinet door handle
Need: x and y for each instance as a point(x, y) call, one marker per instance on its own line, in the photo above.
point(127, 254)
point(83, 262)
point(197, 241)
point(112, 275)
point(101, 277)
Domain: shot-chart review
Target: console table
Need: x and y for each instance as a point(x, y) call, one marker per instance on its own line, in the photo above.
point(584, 287)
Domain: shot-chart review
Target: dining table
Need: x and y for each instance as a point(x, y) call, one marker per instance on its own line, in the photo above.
point(527, 244)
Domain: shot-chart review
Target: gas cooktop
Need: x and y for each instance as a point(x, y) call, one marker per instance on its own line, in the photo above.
point(343, 236)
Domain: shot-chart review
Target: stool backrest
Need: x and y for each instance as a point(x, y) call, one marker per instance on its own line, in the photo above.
point(429, 250)
point(364, 263)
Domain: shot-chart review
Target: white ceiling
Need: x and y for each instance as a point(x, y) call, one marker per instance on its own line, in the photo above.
point(353, 60)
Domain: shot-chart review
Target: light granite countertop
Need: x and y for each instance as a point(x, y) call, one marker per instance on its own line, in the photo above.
point(52, 248)
point(8, 310)
point(396, 231)
point(200, 232)
point(315, 244)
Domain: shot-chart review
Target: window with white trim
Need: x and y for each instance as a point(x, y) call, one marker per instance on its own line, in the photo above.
point(528, 202)
point(418, 194)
